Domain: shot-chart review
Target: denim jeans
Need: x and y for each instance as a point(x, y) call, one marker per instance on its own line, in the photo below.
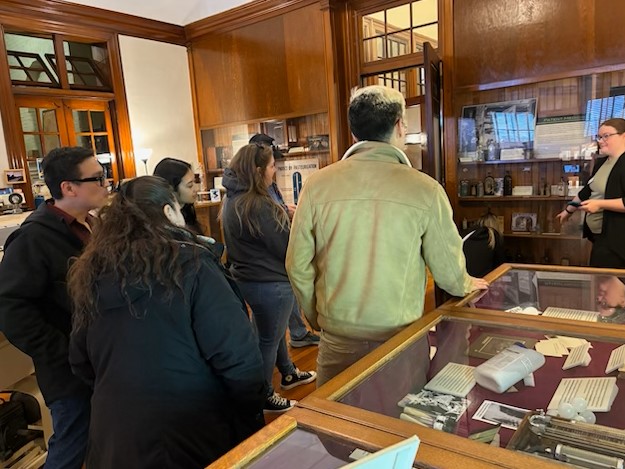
point(68, 444)
point(271, 304)
point(297, 328)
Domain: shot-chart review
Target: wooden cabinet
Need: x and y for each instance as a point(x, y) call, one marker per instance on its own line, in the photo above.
point(262, 70)
point(541, 134)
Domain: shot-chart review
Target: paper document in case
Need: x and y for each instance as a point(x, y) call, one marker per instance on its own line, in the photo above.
point(598, 392)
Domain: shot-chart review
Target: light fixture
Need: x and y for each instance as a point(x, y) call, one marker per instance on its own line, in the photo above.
point(143, 154)
point(104, 158)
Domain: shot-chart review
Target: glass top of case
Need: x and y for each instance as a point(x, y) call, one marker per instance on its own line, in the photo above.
point(403, 387)
point(311, 451)
point(581, 296)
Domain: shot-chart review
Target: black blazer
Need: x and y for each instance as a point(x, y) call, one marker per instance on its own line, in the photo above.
point(613, 227)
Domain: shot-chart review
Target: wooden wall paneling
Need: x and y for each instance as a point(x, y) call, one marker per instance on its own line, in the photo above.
point(305, 60)
point(217, 73)
point(126, 163)
point(72, 19)
point(450, 129)
point(196, 123)
point(342, 69)
point(242, 16)
point(511, 38)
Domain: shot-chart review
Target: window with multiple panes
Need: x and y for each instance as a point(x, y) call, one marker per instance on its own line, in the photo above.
point(400, 30)
point(33, 61)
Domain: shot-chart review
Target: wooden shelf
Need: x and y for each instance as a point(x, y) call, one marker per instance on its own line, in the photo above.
point(557, 236)
point(514, 198)
point(533, 160)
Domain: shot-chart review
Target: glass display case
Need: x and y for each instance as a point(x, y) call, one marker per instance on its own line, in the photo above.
point(306, 439)
point(428, 380)
point(584, 294)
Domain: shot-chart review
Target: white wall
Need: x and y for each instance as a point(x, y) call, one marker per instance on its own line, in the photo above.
point(158, 89)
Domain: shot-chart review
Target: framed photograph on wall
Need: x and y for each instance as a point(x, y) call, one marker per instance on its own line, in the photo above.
point(524, 222)
point(14, 176)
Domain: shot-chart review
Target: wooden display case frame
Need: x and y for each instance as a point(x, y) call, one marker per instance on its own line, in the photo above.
point(325, 399)
point(433, 452)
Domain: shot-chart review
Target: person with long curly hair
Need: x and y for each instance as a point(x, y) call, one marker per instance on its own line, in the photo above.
point(256, 229)
point(162, 338)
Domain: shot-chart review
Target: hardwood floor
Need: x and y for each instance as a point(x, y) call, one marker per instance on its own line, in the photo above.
point(305, 358)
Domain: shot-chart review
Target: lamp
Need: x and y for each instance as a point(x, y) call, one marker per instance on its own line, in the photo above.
point(143, 154)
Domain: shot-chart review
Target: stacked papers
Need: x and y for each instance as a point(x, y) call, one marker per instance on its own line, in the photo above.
point(559, 345)
point(568, 313)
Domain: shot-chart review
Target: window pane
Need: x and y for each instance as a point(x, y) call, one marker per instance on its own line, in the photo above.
point(101, 144)
point(97, 121)
point(51, 142)
point(33, 146)
point(81, 121)
point(398, 43)
point(84, 141)
point(28, 117)
point(88, 64)
point(425, 34)
point(373, 49)
point(424, 11)
point(29, 45)
point(374, 24)
point(398, 18)
point(19, 75)
point(48, 120)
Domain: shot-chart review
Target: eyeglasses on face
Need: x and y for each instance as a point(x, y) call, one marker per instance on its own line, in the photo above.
point(605, 137)
point(100, 179)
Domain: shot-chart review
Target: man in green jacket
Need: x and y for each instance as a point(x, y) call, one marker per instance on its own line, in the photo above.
point(364, 231)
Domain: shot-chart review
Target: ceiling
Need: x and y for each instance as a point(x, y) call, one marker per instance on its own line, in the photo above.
point(179, 12)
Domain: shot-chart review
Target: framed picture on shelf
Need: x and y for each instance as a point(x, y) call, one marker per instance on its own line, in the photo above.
point(524, 222)
point(319, 143)
point(493, 131)
point(14, 176)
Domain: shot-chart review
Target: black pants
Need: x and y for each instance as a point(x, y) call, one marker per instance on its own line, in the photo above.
point(603, 256)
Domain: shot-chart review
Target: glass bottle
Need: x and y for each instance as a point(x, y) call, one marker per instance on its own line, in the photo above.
point(489, 185)
point(507, 184)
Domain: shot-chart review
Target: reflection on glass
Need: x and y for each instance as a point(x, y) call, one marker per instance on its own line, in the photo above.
point(397, 387)
point(424, 12)
point(87, 64)
point(51, 142)
point(425, 34)
point(27, 55)
point(81, 121)
point(48, 120)
point(28, 118)
point(398, 18)
point(312, 452)
point(401, 30)
point(84, 141)
point(97, 121)
point(101, 144)
point(33, 146)
point(18, 75)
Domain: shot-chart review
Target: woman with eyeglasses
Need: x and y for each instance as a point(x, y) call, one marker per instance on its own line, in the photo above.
point(181, 178)
point(257, 228)
point(162, 339)
point(603, 199)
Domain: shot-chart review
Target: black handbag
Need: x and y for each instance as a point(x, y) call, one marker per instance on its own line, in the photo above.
point(13, 428)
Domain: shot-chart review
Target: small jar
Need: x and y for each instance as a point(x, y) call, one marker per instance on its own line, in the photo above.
point(480, 189)
point(464, 188)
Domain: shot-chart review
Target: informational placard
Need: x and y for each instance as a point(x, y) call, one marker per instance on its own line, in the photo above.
point(561, 135)
point(291, 175)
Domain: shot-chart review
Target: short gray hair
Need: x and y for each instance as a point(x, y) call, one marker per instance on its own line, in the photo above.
point(374, 111)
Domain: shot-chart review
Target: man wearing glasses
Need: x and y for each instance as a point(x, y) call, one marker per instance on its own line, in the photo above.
point(35, 310)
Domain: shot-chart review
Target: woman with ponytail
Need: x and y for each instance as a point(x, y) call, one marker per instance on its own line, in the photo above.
point(162, 338)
